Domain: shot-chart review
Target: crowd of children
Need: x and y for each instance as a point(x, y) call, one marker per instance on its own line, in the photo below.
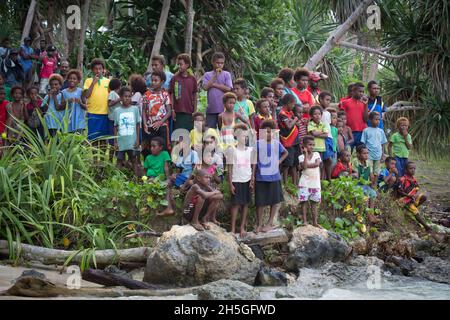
point(293, 134)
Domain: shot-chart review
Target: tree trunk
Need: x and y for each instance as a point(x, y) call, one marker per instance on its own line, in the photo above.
point(160, 32)
point(336, 35)
point(84, 24)
point(29, 20)
point(59, 257)
point(65, 40)
point(198, 56)
point(189, 27)
point(110, 23)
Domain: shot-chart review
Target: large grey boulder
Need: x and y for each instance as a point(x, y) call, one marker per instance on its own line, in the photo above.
point(227, 290)
point(312, 247)
point(184, 256)
point(433, 269)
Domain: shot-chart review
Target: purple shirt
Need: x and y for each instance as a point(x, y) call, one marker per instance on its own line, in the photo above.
point(215, 103)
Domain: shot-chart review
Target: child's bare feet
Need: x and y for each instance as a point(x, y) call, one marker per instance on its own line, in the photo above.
point(215, 222)
point(243, 234)
point(268, 228)
point(205, 226)
point(258, 229)
point(165, 212)
point(197, 226)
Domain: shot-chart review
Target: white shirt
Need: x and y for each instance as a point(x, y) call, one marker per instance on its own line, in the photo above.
point(242, 165)
point(310, 177)
point(326, 119)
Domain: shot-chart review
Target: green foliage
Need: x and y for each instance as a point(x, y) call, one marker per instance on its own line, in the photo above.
point(344, 207)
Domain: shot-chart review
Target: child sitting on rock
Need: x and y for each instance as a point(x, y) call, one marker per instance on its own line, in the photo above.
point(408, 192)
point(201, 201)
point(388, 176)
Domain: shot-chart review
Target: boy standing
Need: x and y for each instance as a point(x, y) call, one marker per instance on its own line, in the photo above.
point(183, 90)
point(96, 92)
point(374, 139)
point(49, 64)
point(158, 65)
point(399, 144)
point(301, 77)
point(357, 112)
point(375, 102)
point(243, 105)
point(216, 82)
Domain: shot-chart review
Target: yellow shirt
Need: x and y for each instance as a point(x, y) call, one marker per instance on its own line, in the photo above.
point(97, 103)
point(197, 137)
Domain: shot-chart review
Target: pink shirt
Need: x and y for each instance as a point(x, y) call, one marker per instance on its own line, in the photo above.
point(48, 67)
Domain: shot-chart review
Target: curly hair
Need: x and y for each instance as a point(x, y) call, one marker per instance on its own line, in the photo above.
point(227, 96)
point(97, 61)
point(301, 72)
point(56, 76)
point(400, 121)
point(137, 83)
point(76, 72)
point(286, 74)
point(275, 82)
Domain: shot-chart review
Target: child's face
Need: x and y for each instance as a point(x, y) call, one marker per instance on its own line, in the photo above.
point(126, 98)
point(279, 90)
point(218, 64)
point(182, 66)
point(199, 123)
point(403, 128)
point(2, 95)
point(358, 92)
point(156, 82)
point(271, 97)
point(290, 106)
point(391, 164)
point(239, 91)
point(309, 145)
point(325, 102)
point(340, 126)
point(229, 104)
point(155, 147)
point(364, 154)
point(344, 119)
point(317, 116)
point(156, 66)
point(98, 70)
point(268, 134)
point(374, 90)
point(333, 119)
point(264, 108)
point(411, 169)
point(345, 157)
point(33, 95)
point(241, 136)
point(18, 95)
point(375, 121)
point(73, 80)
point(303, 82)
point(64, 68)
point(55, 85)
point(204, 180)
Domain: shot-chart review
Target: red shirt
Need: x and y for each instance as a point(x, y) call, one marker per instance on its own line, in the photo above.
point(48, 67)
point(305, 97)
point(3, 115)
point(339, 168)
point(355, 114)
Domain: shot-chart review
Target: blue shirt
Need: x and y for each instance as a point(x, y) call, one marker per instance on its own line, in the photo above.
point(166, 85)
point(26, 63)
point(53, 118)
point(267, 166)
point(187, 163)
point(380, 182)
point(374, 138)
point(77, 114)
point(377, 105)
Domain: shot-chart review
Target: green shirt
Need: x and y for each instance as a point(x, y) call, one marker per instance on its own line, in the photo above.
point(363, 170)
point(319, 143)
point(334, 133)
point(155, 164)
point(126, 120)
point(399, 148)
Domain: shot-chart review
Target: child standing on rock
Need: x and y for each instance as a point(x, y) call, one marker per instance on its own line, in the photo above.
point(309, 189)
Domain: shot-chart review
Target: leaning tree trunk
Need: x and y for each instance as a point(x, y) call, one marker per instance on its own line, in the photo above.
point(64, 38)
point(160, 32)
point(189, 26)
point(84, 24)
point(29, 20)
point(336, 35)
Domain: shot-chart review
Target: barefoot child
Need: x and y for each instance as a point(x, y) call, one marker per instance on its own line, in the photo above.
point(227, 120)
point(399, 145)
point(319, 131)
point(341, 140)
point(241, 178)
point(347, 131)
point(127, 121)
point(375, 139)
point(243, 106)
point(364, 171)
point(268, 189)
point(309, 189)
point(328, 155)
point(277, 85)
point(269, 94)
point(408, 192)
point(201, 201)
point(73, 97)
point(17, 113)
point(34, 109)
point(157, 165)
point(54, 110)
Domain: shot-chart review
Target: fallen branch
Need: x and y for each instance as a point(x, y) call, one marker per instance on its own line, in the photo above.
point(143, 234)
point(273, 236)
point(59, 257)
point(30, 286)
point(403, 106)
point(374, 51)
point(112, 280)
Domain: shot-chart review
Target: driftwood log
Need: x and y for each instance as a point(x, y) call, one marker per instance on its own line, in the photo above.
point(278, 235)
point(36, 287)
point(109, 279)
point(59, 257)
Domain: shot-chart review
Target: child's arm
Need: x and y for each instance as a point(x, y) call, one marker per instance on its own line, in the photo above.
point(210, 83)
point(82, 103)
point(220, 119)
point(24, 112)
point(230, 181)
point(113, 102)
point(167, 169)
point(408, 145)
point(318, 134)
point(116, 137)
point(138, 134)
point(91, 87)
point(290, 123)
point(252, 181)
point(350, 135)
point(390, 148)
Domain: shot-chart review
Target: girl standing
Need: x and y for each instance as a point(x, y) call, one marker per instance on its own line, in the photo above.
point(72, 98)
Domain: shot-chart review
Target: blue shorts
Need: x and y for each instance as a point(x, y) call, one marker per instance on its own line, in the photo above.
point(180, 180)
point(328, 149)
point(98, 126)
point(357, 139)
point(401, 165)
